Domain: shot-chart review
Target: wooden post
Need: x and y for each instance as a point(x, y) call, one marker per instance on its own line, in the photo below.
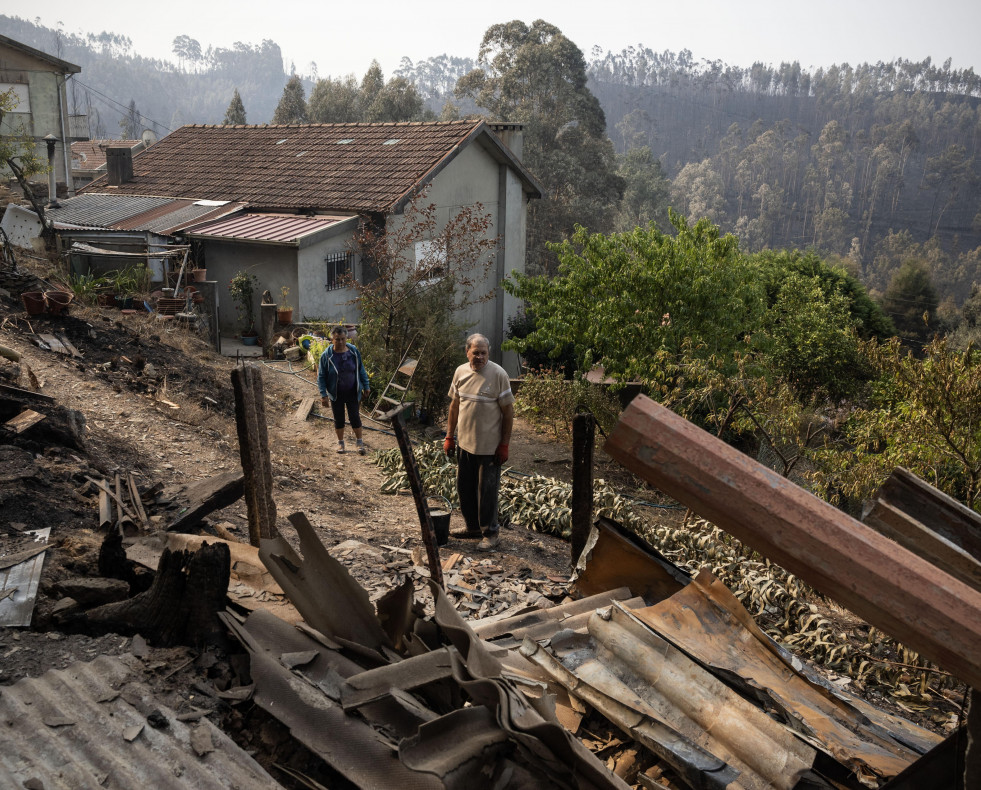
point(412, 470)
point(583, 431)
point(253, 445)
point(267, 328)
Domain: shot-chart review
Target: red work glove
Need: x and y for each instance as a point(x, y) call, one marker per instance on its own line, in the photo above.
point(501, 454)
point(449, 445)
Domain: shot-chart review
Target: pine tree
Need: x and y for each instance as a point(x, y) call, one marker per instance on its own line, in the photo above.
point(292, 107)
point(132, 122)
point(235, 114)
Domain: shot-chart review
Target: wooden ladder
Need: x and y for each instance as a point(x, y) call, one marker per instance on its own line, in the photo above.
point(398, 386)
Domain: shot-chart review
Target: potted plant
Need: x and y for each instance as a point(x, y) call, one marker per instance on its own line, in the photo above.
point(284, 310)
point(242, 288)
point(199, 275)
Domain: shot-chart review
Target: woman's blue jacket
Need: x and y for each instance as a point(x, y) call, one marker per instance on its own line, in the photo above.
point(327, 373)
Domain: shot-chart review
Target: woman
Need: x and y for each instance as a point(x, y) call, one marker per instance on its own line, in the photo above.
point(343, 381)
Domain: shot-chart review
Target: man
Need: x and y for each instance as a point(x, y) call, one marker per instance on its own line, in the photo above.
point(343, 382)
point(480, 421)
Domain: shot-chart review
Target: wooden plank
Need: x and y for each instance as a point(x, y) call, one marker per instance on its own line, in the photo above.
point(207, 496)
point(253, 446)
point(53, 343)
point(134, 495)
point(933, 509)
point(889, 586)
point(23, 421)
point(583, 433)
point(303, 410)
point(25, 393)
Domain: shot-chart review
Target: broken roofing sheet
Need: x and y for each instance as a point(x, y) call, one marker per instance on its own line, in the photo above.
point(93, 727)
point(21, 560)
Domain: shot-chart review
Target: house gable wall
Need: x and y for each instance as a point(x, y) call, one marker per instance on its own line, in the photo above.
point(475, 177)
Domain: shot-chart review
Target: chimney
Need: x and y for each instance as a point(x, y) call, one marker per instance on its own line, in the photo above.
point(119, 165)
point(511, 135)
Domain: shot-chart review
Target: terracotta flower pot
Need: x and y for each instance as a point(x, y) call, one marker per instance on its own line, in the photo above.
point(57, 302)
point(33, 302)
point(199, 275)
point(284, 317)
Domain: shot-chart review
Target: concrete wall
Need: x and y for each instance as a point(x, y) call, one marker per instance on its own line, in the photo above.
point(475, 177)
point(314, 301)
point(303, 271)
point(48, 105)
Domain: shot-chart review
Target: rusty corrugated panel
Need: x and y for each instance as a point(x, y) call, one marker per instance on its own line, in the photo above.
point(889, 586)
point(707, 621)
point(613, 557)
point(627, 662)
point(283, 228)
point(176, 215)
point(85, 728)
point(103, 211)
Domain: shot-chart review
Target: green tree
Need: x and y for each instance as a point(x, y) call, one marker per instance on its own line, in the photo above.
point(646, 193)
point(536, 76)
point(911, 301)
point(131, 123)
point(292, 107)
point(397, 101)
point(639, 303)
point(335, 101)
point(19, 154)
point(235, 114)
point(187, 50)
point(925, 415)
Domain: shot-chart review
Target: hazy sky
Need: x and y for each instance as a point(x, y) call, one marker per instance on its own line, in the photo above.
point(343, 38)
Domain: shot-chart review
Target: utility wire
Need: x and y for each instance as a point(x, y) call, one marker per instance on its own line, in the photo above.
point(124, 111)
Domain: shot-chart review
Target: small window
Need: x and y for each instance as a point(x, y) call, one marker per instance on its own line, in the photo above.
point(431, 259)
point(302, 153)
point(280, 142)
point(338, 269)
point(345, 141)
point(393, 141)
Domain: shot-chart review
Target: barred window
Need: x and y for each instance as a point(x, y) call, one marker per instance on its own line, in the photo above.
point(338, 266)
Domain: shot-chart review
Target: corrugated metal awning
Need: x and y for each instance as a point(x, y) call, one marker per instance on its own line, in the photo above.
point(272, 228)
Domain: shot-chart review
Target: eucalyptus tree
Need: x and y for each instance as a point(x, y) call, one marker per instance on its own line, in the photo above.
point(536, 76)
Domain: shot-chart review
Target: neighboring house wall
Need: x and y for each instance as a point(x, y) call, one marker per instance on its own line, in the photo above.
point(273, 264)
point(45, 110)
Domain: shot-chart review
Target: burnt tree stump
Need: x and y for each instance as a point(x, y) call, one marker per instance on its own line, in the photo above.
point(182, 605)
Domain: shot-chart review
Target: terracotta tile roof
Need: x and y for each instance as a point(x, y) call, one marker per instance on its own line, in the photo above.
point(91, 154)
point(326, 167)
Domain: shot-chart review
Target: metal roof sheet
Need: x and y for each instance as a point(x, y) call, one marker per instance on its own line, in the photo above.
point(161, 215)
point(86, 728)
point(283, 228)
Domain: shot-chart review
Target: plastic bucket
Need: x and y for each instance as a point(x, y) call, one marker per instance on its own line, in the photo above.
point(33, 302)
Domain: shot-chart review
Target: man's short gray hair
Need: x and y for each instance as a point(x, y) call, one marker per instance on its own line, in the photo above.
point(476, 337)
point(338, 330)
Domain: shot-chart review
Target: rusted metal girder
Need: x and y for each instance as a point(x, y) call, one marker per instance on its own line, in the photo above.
point(892, 588)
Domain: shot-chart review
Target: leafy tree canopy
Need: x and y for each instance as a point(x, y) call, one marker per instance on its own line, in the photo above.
point(911, 301)
point(536, 76)
point(636, 302)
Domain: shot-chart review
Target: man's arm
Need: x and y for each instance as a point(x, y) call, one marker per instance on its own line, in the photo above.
point(507, 422)
point(452, 417)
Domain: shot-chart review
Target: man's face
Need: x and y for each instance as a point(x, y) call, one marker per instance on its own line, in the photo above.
point(477, 354)
point(339, 341)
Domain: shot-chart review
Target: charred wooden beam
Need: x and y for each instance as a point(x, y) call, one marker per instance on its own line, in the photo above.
point(253, 445)
point(583, 433)
point(422, 509)
point(207, 496)
point(892, 588)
